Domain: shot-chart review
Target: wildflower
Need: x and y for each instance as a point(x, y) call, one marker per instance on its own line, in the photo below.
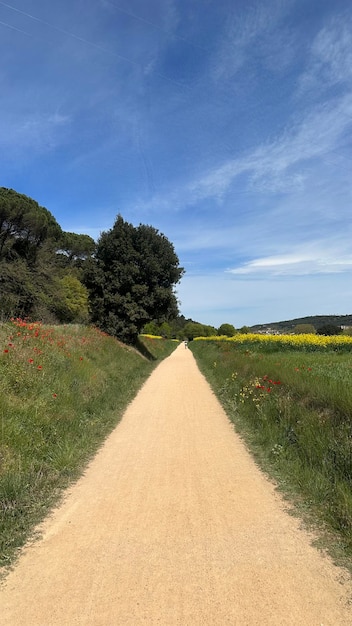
point(31, 361)
point(6, 351)
point(40, 367)
point(81, 358)
point(54, 395)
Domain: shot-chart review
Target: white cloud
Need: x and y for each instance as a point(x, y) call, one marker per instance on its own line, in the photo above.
point(296, 264)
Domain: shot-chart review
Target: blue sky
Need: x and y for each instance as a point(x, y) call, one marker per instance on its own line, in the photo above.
point(226, 125)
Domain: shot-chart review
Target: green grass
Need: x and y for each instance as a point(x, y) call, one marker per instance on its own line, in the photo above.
point(294, 410)
point(62, 390)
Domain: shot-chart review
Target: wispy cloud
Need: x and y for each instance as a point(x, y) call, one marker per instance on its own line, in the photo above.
point(253, 29)
point(276, 166)
point(302, 262)
point(330, 60)
point(270, 165)
point(37, 133)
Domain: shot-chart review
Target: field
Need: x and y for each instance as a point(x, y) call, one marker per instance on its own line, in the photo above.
point(293, 406)
point(62, 390)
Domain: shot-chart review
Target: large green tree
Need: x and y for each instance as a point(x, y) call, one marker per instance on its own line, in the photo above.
point(24, 227)
point(131, 279)
point(227, 329)
point(29, 239)
point(35, 280)
point(195, 329)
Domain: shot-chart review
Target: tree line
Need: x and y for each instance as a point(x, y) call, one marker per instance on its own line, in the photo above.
point(182, 328)
point(121, 282)
point(124, 283)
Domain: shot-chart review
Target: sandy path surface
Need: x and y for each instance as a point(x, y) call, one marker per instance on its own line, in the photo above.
point(172, 523)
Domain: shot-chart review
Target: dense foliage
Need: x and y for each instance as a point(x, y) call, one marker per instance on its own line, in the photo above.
point(40, 265)
point(226, 329)
point(131, 279)
point(329, 330)
point(120, 284)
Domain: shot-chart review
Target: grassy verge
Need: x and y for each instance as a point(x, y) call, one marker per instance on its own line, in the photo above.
point(62, 390)
point(294, 410)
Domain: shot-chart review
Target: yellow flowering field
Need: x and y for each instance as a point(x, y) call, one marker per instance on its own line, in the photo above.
point(298, 342)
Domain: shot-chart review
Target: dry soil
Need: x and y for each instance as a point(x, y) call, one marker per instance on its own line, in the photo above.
point(173, 523)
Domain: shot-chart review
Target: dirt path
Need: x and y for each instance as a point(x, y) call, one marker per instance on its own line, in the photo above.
point(172, 523)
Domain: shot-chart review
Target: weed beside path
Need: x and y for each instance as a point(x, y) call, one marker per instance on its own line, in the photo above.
point(294, 410)
point(62, 390)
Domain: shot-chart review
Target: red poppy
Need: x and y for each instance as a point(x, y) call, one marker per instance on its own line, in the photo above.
point(6, 351)
point(54, 395)
point(30, 360)
point(40, 367)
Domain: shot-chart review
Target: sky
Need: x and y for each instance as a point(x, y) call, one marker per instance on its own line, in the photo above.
point(225, 124)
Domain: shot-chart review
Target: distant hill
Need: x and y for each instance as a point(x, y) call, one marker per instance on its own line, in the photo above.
point(316, 320)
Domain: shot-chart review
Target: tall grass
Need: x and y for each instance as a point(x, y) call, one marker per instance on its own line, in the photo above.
point(62, 390)
point(294, 409)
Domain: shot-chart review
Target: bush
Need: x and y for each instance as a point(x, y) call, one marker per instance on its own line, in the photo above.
point(329, 329)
